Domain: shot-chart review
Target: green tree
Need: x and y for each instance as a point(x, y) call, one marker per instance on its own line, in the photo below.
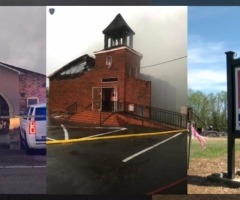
point(210, 108)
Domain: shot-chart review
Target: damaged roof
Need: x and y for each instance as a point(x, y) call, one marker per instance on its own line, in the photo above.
point(74, 69)
point(118, 28)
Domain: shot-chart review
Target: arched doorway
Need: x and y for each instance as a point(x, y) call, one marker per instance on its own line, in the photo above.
point(4, 113)
point(4, 108)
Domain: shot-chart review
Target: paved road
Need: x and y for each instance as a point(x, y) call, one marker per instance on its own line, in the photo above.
point(106, 166)
point(20, 173)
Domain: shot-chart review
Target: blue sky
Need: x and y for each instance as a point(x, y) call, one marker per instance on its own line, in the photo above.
point(211, 32)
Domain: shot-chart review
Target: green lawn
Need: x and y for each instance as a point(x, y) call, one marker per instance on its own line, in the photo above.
point(215, 147)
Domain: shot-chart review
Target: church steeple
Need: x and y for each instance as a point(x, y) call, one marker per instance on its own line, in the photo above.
point(118, 33)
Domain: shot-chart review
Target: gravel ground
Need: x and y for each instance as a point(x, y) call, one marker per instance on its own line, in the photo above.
point(200, 168)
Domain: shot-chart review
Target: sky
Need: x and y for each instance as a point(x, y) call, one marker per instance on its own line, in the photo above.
point(23, 37)
point(212, 31)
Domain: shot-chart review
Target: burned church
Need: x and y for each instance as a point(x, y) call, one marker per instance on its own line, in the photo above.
point(108, 83)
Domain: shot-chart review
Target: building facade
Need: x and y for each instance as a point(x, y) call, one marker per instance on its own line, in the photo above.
point(18, 89)
point(108, 82)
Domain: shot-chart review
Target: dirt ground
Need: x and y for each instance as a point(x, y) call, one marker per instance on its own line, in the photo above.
point(200, 168)
point(200, 188)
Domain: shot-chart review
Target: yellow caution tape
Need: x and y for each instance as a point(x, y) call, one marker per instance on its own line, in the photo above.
point(114, 137)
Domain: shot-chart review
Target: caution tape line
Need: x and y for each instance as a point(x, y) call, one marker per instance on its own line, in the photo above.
point(114, 137)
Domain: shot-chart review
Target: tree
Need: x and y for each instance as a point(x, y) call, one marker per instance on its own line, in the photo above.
point(210, 108)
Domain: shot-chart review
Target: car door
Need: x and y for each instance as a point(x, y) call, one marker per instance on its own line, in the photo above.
point(24, 121)
point(40, 123)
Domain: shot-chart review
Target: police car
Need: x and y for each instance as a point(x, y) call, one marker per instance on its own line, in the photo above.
point(33, 128)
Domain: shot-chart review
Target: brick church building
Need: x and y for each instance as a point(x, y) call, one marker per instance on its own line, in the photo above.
point(107, 87)
point(108, 83)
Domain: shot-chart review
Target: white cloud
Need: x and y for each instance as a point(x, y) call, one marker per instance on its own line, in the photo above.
point(207, 80)
point(204, 52)
point(206, 65)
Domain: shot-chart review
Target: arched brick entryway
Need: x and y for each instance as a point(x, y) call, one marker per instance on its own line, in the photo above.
point(4, 108)
point(6, 111)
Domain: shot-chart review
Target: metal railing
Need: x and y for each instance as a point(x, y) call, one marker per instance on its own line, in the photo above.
point(102, 118)
point(155, 115)
point(72, 109)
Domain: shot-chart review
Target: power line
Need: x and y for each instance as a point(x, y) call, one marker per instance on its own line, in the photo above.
point(165, 62)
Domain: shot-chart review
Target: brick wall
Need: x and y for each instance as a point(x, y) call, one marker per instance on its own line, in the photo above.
point(138, 91)
point(31, 84)
point(62, 93)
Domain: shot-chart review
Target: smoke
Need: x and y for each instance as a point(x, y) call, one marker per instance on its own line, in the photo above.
point(160, 32)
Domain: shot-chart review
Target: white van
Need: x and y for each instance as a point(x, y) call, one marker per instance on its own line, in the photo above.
point(33, 128)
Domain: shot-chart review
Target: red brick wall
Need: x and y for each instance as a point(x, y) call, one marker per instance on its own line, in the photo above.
point(31, 85)
point(62, 93)
point(138, 91)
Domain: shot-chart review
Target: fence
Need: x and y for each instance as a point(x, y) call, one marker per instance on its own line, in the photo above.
point(155, 115)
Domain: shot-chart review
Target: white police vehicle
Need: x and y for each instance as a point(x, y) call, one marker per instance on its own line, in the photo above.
point(33, 128)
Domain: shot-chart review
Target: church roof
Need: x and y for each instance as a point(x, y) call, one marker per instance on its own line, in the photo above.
point(118, 27)
point(17, 69)
point(74, 68)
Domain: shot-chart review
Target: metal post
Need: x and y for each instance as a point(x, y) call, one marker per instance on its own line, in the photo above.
point(231, 139)
point(231, 157)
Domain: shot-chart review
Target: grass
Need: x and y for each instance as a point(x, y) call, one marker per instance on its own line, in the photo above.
point(215, 147)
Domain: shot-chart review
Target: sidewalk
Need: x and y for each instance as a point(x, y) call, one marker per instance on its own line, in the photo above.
point(8, 138)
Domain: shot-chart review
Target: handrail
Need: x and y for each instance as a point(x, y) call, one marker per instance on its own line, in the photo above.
point(155, 115)
point(103, 120)
point(72, 109)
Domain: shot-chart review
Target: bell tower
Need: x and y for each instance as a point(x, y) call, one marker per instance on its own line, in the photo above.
point(118, 33)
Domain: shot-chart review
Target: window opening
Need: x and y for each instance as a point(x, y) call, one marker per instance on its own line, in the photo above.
point(107, 80)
